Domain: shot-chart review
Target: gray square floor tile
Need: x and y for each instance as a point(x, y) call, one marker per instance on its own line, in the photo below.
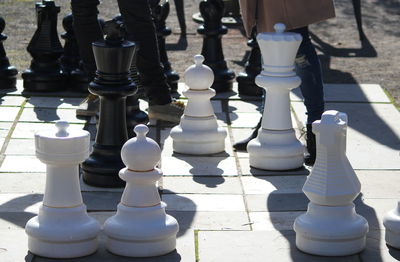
point(21, 147)
point(22, 182)
point(20, 202)
point(28, 130)
point(14, 246)
point(276, 202)
point(377, 250)
point(49, 115)
point(379, 184)
point(5, 129)
point(268, 221)
point(244, 106)
point(198, 166)
point(11, 100)
point(247, 170)
point(201, 185)
point(53, 102)
point(8, 114)
point(202, 202)
point(273, 184)
point(256, 246)
point(27, 164)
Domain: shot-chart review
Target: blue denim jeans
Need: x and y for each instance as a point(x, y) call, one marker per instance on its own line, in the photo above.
point(308, 68)
point(140, 29)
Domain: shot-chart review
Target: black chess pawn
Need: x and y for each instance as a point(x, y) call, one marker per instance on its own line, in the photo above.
point(134, 115)
point(45, 72)
point(112, 84)
point(246, 79)
point(8, 73)
point(212, 31)
point(161, 12)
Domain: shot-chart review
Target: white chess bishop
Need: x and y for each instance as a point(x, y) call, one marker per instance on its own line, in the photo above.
point(276, 146)
point(331, 227)
point(141, 228)
point(198, 132)
point(62, 228)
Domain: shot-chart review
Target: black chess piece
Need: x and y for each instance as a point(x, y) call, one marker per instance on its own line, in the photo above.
point(112, 84)
point(161, 12)
point(45, 72)
point(8, 73)
point(134, 115)
point(212, 31)
point(246, 79)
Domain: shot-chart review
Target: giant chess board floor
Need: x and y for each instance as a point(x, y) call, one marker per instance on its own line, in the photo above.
point(227, 211)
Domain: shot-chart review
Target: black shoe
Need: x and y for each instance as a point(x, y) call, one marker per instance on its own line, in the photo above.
point(309, 159)
point(242, 144)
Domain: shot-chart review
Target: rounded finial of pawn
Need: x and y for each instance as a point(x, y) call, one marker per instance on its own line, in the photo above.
point(62, 128)
point(141, 131)
point(279, 28)
point(198, 60)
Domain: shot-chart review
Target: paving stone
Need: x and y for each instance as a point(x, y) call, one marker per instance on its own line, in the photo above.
point(199, 202)
point(198, 166)
point(14, 246)
point(273, 184)
point(101, 201)
point(49, 115)
point(365, 93)
point(256, 246)
point(379, 184)
point(28, 130)
point(201, 185)
point(245, 106)
point(372, 128)
point(11, 100)
point(87, 188)
point(18, 202)
point(53, 102)
point(21, 164)
point(238, 134)
point(276, 202)
point(246, 120)
point(217, 106)
point(8, 114)
point(4, 129)
point(377, 250)
point(14, 220)
point(374, 209)
point(1, 142)
point(21, 147)
point(246, 170)
point(22, 182)
point(268, 221)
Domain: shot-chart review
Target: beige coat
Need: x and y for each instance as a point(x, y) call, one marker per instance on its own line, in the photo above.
point(293, 13)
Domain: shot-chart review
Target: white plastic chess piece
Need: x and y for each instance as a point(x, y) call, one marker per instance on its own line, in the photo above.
point(276, 146)
point(198, 132)
point(141, 228)
point(331, 227)
point(62, 229)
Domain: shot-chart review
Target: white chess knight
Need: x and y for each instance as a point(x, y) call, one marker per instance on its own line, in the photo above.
point(331, 227)
point(198, 132)
point(62, 228)
point(141, 228)
point(276, 146)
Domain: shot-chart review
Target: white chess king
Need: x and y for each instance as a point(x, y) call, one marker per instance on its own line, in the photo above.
point(141, 228)
point(198, 132)
point(62, 229)
point(276, 146)
point(331, 226)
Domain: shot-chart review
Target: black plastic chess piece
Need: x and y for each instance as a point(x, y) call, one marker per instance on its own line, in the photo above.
point(161, 12)
point(112, 84)
point(134, 115)
point(212, 31)
point(77, 79)
point(45, 72)
point(8, 73)
point(246, 79)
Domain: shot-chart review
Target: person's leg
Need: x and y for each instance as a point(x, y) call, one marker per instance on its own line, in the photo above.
point(308, 68)
point(140, 28)
point(87, 30)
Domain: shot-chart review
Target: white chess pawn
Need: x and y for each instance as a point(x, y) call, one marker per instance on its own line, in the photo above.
point(276, 146)
point(198, 132)
point(62, 228)
point(141, 228)
point(331, 227)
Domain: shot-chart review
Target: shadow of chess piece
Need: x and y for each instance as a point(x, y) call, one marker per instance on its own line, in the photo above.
point(246, 80)
point(161, 12)
point(45, 73)
point(212, 31)
point(134, 115)
point(112, 84)
point(8, 73)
